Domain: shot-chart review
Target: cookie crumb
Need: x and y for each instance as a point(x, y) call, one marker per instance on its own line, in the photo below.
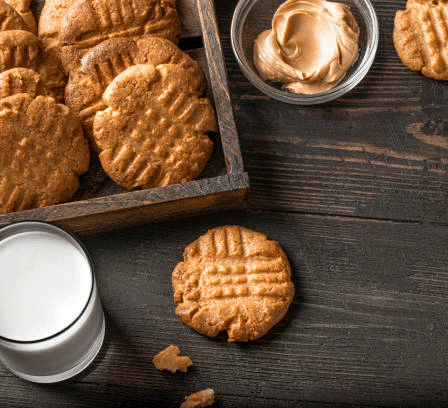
point(199, 399)
point(169, 359)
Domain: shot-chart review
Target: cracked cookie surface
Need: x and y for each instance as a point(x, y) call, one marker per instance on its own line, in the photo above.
point(100, 66)
point(235, 280)
point(22, 80)
point(22, 49)
point(10, 19)
point(42, 152)
point(153, 132)
point(421, 37)
point(87, 23)
point(50, 25)
point(23, 9)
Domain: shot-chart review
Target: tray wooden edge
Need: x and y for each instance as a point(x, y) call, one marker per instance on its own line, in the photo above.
point(164, 203)
point(139, 207)
point(219, 85)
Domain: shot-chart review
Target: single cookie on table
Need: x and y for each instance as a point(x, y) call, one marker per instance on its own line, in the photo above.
point(235, 280)
point(42, 152)
point(420, 37)
point(50, 24)
point(21, 49)
point(10, 19)
point(87, 23)
point(99, 67)
point(199, 399)
point(22, 80)
point(169, 359)
point(23, 8)
point(153, 132)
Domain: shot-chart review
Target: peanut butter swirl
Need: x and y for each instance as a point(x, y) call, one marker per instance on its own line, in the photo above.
point(311, 46)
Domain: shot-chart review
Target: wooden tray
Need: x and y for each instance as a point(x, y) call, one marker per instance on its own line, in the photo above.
point(101, 205)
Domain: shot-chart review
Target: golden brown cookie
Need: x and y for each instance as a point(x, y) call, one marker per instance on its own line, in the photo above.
point(199, 399)
point(42, 152)
point(232, 279)
point(86, 85)
point(10, 19)
point(420, 37)
point(87, 23)
point(22, 49)
point(153, 132)
point(22, 80)
point(23, 8)
point(50, 23)
point(169, 359)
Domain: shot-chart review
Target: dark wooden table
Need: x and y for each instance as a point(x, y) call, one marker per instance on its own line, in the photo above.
point(356, 192)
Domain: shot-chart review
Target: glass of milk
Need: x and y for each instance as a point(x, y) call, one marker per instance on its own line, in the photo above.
point(51, 320)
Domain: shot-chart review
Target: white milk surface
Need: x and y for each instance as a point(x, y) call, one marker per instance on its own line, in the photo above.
point(45, 283)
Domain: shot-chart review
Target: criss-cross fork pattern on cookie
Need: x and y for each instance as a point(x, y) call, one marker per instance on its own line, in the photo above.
point(153, 132)
point(22, 80)
point(421, 37)
point(10, 19)
point(42, 152)
point(235, 280)
point(100, 66)
point(21, 49)
point(87, 23)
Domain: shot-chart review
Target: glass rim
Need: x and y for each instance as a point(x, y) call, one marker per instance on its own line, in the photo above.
point(239, 17)
point(72, 239)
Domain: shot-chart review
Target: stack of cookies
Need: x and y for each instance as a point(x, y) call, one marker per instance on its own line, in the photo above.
point(140, 102)
point(43, 150)
point(129, 92)
point(138, 96)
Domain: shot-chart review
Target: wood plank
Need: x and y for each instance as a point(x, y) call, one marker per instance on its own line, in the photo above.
point(102, 395)
point(219, 85)
point(367, 326)
point(188, 14)
point(379, 152)
point(137, 207)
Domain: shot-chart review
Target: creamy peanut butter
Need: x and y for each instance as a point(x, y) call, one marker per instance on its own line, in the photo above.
point(311, 46)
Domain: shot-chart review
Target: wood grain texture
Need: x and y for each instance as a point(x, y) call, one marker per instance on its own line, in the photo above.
point(367, 325)
point(379, 152)
point(133, 208)
point(218, 78)
point(356, 193)
point(188, 14)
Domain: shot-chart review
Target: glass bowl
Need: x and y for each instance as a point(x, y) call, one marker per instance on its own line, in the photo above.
point(252, 17)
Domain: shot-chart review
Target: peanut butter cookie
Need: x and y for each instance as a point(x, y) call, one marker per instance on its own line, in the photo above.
point(23, 8)
point(42, 152)
point(90, 22)
point(21, 49)
point(22, 80)
point(50, 24)
point(10, 19)
point(232, 279)
point(153, 132)
point(103, 63)
point(420, 37)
